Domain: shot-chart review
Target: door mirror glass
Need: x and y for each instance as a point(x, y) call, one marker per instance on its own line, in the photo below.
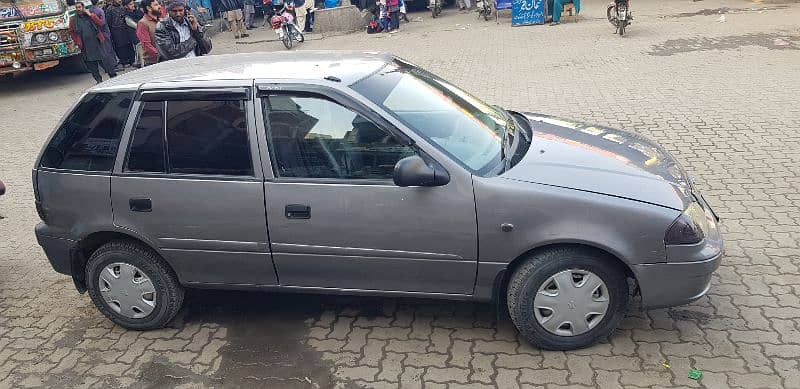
point(413, 171)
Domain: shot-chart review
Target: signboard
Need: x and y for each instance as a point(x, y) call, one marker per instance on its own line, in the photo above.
point(526, 12)
point(502, 4)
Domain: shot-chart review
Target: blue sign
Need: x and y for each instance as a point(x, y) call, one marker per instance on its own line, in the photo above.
point(526, 12)
point(502, 4)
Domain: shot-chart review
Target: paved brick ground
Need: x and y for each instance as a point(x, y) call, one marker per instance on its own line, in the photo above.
point(720, 95)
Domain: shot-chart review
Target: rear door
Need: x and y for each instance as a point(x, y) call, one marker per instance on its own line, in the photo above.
point(192, 184)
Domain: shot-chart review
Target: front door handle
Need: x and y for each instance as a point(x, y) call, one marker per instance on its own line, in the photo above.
point(141, 205)
point(298, 211)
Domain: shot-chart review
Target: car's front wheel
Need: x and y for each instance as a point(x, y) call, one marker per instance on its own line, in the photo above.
point(567, 298)
point(131, 285)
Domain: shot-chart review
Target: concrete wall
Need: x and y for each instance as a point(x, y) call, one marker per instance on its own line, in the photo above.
point(340, 19)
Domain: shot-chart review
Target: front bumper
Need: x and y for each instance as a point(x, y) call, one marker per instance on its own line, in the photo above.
point(58, 250)
point(677, 283)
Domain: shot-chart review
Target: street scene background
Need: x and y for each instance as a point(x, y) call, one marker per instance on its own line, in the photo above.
point(715, 82)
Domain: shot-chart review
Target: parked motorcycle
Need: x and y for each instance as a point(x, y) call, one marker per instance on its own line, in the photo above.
point(484, 9)
point(283, 25)
point(435, 7)
point(619, 15)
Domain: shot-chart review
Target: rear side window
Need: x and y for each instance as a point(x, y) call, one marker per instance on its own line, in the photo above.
point(89, 137)
point(147, 145)
point(208, 137)
point(202, 137)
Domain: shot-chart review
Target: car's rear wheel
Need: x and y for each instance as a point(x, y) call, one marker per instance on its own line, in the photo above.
point(131, 285)
point(567, 298)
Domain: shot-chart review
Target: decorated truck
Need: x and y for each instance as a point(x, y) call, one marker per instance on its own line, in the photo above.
point(34, 35)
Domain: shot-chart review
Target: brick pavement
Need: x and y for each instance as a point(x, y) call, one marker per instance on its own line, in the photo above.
point(721, 95)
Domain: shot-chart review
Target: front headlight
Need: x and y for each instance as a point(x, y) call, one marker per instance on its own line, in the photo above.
point(40, 38)
point(53, 36)
point(689, 228)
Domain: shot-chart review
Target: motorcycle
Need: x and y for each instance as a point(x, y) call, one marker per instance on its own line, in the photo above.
point(484, 9)
point(435, 7)
point(283, 25)
point(619, 15)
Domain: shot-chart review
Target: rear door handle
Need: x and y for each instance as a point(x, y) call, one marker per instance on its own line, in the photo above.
point(298, 211)
point(141, 205)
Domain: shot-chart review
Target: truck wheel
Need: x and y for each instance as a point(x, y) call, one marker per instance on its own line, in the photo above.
point(72, 65)
point(567, 298)
point(131, 285)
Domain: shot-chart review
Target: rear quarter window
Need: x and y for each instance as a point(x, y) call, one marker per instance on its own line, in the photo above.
point(89, 137)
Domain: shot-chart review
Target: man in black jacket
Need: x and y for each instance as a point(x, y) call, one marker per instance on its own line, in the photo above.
point(115, 17)
point(179, 35)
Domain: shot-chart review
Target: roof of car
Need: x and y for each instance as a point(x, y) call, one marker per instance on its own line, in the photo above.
point(347, 66)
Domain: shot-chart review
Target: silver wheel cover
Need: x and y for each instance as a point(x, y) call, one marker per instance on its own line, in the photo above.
point(127, 290)
point(571, 302)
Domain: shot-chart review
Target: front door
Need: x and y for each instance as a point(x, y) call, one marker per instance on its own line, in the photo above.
point(336, 219)
point(190, 185)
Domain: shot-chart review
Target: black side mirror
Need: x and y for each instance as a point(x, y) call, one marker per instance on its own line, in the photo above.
point(413, 171)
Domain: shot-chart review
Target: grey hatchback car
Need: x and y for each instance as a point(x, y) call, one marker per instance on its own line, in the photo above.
point(360, 173)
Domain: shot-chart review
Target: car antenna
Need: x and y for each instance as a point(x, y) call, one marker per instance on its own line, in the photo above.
point(334, 79)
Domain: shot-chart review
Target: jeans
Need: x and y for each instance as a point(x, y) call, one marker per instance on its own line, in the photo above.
point(394, 20)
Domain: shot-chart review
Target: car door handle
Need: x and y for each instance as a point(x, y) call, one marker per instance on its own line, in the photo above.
point(141, 205)
point(298, 211)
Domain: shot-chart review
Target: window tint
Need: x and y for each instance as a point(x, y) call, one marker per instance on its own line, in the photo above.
point(147, 146)
point(208, 137)
point(89, 137)
point(312, 137)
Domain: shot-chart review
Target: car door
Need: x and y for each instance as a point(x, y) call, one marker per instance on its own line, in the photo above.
point(336, 219)
point(192, 185)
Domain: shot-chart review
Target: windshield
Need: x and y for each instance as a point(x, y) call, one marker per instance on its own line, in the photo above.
point(29, 8)
point(467, 129)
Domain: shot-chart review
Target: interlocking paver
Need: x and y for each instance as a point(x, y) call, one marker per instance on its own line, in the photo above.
point(721, 96)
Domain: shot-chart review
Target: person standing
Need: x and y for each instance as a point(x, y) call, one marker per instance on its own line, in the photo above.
point(108, 48)
point(393, 9)
point(146, 30)
point(123, 46)
point(180, 35)
point(233, 9)
point(558, 8)
point(86, 31)
point(301, 9)
point(249, 11)
point(132, 17)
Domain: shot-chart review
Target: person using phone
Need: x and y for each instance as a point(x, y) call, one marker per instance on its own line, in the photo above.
point(180, 35)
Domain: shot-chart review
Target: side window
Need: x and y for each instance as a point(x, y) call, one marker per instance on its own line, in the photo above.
point(313, 137)
point(89, 137)
point(147, 145)
point(208, 137)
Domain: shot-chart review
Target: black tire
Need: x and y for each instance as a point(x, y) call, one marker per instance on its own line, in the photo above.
point(434, 14)
point(287, 39)
point(169, 292)
point(486, 12)
point(622, 28)
point(528, 277)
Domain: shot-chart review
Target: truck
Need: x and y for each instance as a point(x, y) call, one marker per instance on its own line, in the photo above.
point(34, 35)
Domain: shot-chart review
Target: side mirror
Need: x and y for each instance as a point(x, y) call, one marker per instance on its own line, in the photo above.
point(413, 171)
